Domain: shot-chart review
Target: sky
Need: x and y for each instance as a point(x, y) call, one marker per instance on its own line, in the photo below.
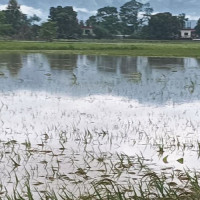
point(86, 8)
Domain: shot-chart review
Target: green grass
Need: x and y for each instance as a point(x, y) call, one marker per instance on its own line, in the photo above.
point(132, 48)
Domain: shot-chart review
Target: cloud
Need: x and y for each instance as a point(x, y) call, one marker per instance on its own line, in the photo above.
point(3, 7)
point(84, 10)
point(30, 11)
point(192, 17)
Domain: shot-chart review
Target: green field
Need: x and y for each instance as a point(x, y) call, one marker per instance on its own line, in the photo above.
point(132, 48)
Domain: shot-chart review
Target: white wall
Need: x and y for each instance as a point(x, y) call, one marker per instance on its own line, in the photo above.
point(186, 34)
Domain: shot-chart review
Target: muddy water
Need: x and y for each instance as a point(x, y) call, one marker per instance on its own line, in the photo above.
point(63, 113)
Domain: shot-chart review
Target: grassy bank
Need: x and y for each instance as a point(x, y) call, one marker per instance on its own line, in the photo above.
point(134, 48)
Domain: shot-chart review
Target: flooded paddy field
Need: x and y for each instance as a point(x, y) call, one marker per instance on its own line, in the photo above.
point(99, 127)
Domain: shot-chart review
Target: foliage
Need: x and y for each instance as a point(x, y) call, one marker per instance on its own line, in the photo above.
point(66, 21)
point(129, 14)
point(15, 24)
point(134, 19)
point(15, 17)
point(182, 20)
point(5, 28)
point(107, 17)
point(48, 31)
point(197, 27)
point(101, 32)
point(126, 21)
point(165, 26)
point(105, 23)
point(35, 31)
point(33, 19)
point(92, 21)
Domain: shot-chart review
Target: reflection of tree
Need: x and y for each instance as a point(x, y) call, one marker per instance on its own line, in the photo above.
point(91, 58)
point(62, 61)
point(128, 65)
point(165, 62)
point(112, 64)
point(106, 64)
point(12, 62)
point(198, 62)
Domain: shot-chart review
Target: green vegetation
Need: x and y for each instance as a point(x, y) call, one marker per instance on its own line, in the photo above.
point(66, 21)
point(133, 20)
point(48, 31)
point(62, 23)
point(16, 25)
point(197, 28)
point(164, 26)
point(133, 48)
point(109, 22)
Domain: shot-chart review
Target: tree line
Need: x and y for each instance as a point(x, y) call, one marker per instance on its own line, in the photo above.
point(133, 18)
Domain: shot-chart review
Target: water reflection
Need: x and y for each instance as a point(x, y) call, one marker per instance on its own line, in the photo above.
point(62, 61)
point(58, 109)
point(147, 80)
point(165, 62)
point(11, 62)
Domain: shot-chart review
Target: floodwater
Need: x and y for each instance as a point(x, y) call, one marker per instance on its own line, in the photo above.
point(71, 118)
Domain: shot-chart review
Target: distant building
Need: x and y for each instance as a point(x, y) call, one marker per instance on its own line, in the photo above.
point(87, 30)
point(188, 33)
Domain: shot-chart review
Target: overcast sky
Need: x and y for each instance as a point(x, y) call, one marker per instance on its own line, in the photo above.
point(86, 8)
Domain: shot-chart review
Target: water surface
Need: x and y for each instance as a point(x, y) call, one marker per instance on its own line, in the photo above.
point(75, 107)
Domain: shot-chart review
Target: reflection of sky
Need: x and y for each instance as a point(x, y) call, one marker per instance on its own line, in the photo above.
point(135, 99)
point(134, 128)
point(148, 80)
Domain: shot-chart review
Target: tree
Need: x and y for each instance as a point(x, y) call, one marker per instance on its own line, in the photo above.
point(48, 31)
point(147, 13)
point(82, 23)
point(66, 21)
point(15, 24)
point(5, 29)
point(101, 32)
point(14, 16)
point(165, 25)
point(182, 20)
point(197, 27)
point(92, 21)
point(34, 19)
point(19, 22)
point(108, 19)
point(105, 23)
point(129, 14)
point(35, 31)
